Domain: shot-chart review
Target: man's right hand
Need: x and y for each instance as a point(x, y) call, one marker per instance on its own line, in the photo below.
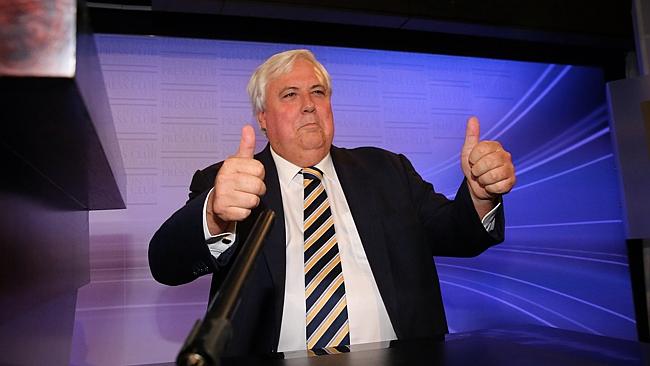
point(238, 186)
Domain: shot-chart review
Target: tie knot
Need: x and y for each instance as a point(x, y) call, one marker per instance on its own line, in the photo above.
point(312, 173)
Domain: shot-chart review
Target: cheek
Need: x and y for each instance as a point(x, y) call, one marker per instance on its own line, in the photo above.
point(283, 130)
point(282, 116)
point(328, 120)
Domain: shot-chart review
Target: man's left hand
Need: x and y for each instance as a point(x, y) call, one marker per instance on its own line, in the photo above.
point(487, 167)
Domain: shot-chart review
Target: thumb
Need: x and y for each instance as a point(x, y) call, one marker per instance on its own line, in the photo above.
point(472, 135)
point(247, 143)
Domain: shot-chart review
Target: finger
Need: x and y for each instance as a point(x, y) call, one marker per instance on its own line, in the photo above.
point(245, 183)
point(228, 185)
point(501, 187)
point(472, 135)
point(233, 205)
point(235, 214)
point(491, 161)
point(242, 200)
point(243, 165)
point(247, 143)
point(494, 176)
point(482, 149)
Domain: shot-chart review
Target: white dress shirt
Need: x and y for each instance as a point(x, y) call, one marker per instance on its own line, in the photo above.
point(368, 318)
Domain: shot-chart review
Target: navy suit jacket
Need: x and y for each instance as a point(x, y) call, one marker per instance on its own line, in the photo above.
point(402, 223)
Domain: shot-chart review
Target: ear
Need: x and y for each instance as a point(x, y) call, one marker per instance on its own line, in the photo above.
point(261, 119)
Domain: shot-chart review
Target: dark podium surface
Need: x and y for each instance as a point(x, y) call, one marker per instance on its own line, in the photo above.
point(521, 345)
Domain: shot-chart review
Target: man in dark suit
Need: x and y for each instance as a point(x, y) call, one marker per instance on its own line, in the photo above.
point(349, 262)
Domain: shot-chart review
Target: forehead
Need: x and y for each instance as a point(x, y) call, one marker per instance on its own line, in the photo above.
point(302, 71)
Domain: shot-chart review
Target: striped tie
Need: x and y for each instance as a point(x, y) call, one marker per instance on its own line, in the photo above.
point(327, 313)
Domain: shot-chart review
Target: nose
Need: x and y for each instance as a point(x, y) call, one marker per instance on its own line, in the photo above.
point(308, 105)
point(309, 108)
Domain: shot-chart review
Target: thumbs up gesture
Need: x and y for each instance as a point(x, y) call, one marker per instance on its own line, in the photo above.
point(487, 167)
point(238, 187)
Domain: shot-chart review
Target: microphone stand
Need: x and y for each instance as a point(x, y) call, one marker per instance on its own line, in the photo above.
point(207, 339)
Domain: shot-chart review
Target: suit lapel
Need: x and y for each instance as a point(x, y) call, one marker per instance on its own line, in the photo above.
point(274, 250)
point(361, 198)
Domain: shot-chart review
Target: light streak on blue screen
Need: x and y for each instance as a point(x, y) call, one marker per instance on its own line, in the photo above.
point(179, 104)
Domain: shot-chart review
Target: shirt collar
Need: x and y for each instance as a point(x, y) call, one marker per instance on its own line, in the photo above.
point(288, 170)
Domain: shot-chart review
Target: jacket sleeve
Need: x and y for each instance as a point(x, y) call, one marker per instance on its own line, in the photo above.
point(178, 253)
point(452, 226)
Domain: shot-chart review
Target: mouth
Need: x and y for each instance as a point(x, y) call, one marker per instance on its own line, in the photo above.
point(309, 126)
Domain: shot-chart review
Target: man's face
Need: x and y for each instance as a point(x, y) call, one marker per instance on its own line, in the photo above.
point(298, 115)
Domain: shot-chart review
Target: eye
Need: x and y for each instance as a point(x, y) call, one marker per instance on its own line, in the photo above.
point(319, 92)
point(289, 95)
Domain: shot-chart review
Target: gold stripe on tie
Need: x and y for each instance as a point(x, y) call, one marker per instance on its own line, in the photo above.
point(313, 195)
point(311, 286)
point(321, 301)
point(327, 323)
point(326, 305)
point(343, 332)
point(317, 235)
point(322, 250)
point(316, 214)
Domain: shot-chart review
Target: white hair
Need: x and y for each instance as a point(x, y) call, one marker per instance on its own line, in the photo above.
point(277, 65)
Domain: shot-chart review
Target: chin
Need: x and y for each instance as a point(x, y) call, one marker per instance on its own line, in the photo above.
point(314, 140)
point(315, 145)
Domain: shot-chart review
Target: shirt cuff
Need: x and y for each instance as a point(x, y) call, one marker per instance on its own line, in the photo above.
point(219, 243)
point(489, 220)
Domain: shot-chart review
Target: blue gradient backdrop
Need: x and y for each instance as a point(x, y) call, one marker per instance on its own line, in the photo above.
point(179, 104)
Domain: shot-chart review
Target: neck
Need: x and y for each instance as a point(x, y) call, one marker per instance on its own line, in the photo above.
point(304, 158)
point(307, 161)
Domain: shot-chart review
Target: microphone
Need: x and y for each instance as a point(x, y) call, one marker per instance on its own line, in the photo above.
point(208, 338)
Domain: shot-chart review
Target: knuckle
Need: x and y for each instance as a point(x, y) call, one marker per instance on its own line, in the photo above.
point(219, 210)
point(261, 188)
point(243, 213)
point(258, 169)
point(494, 175)
point(218, 196)
point(232, 214)
point(505, 186)
point(493, 188)
point(228, 164)
point(220, 179)
point(483, 180)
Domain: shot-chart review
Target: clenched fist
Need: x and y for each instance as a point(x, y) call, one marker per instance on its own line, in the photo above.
point(238, 187)
point(487, 167)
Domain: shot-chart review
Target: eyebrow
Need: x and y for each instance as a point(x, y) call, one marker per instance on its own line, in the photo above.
point(287, 88)
point(315, 86)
